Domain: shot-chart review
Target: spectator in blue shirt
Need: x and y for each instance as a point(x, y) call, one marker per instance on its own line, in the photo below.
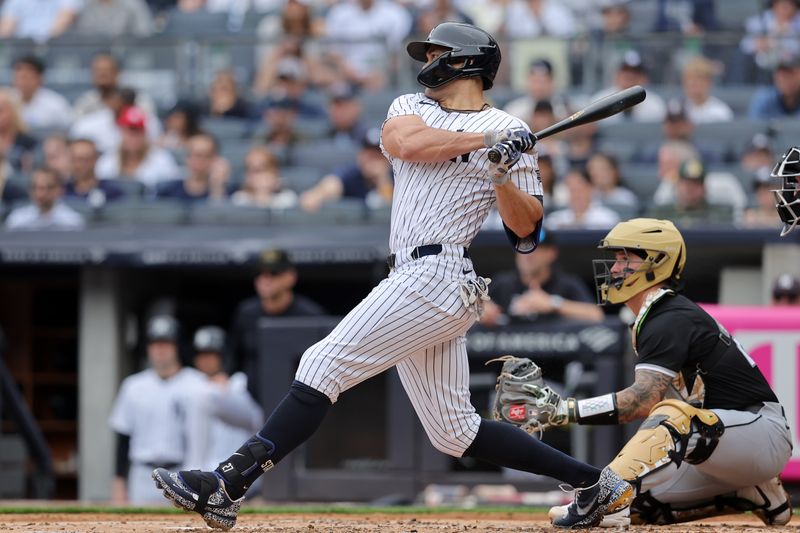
point(84, 183)
point(691, 17)
point(206, 176)
point(782, 100)
point(369, 179)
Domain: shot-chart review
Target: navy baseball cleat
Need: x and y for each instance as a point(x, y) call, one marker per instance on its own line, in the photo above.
point(610, 495)
point(201, 492)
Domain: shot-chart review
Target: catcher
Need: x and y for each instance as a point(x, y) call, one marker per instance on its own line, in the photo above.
point(707, 407)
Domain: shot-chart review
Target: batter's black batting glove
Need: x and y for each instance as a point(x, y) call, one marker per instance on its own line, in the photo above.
point(522, 138)
point(509, 155)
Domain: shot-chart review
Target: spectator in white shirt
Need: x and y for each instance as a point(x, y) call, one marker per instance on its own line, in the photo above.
point(41, 107)
point(46, 211)
point(539, 18)
point(39, 20)
point(101, 126)
point(364, 32)
point(137, 158)
point(583, 210)
point(631, 72)
point(698, 82)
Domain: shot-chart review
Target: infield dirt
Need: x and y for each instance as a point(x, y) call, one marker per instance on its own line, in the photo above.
point(322, 523)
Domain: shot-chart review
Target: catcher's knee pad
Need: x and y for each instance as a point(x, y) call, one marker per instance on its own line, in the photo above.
point(673, 432)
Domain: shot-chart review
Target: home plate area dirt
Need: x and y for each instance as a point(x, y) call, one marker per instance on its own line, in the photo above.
point(335, 523)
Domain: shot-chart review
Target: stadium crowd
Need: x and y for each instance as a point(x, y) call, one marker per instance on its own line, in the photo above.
point(294, 128)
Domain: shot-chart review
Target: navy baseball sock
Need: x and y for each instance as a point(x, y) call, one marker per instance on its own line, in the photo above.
point(506, 445)
point(295, 419)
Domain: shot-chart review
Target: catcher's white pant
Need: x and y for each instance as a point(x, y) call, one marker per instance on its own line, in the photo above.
point(754, 448)
point(414, 320)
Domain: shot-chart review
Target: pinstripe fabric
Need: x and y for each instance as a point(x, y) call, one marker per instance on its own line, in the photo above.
point(447, 202)
point(415, 319)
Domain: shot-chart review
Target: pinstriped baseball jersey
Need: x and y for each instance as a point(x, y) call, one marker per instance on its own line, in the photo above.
point(447, 202)
point(415, 320)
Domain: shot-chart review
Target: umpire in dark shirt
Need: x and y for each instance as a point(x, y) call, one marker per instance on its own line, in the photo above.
point(538, 288)
point(275, 298)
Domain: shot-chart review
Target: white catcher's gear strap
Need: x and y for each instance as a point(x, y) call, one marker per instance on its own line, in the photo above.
point(474, 292)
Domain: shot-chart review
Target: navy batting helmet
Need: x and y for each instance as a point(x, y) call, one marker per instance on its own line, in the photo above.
point(468, 44)
point(788, 196)
point(209, 339)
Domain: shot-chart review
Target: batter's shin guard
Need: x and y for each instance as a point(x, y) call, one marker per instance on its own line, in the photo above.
point(245, 466)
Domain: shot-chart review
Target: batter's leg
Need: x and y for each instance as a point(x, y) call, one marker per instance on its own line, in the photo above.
point(436, 380)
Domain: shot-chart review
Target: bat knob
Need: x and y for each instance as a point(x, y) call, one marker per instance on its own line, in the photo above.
point(494, 155)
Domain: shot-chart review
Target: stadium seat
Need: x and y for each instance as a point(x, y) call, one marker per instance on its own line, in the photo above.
point(325, 156)
point(228, 214)
point(623, 151)
point(643, 16)
point(736, 96)
point(641, 179)
point(733, 14)
point(736, 132)
point(629, 131)
point(226, 128)
point(136, 213)
point(300, 178)
point(342, 212)
point(375, 105)
point(197, 23)
point(133, 189)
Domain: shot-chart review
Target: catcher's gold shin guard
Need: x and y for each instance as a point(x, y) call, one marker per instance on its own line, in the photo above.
point(663, 438)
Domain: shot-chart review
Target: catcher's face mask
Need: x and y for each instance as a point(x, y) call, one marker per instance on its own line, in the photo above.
point(618, 275)
point(639, 253)
point(788, 196)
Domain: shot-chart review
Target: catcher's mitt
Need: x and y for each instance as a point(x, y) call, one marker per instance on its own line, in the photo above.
point(523, 399)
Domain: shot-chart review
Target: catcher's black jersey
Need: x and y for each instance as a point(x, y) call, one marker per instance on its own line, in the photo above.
point(678, 336)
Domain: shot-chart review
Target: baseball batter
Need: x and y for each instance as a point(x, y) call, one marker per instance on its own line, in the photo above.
point(415, 320)
point(714, 438)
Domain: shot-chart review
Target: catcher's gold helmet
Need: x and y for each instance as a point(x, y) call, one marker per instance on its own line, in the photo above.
point(658, 251)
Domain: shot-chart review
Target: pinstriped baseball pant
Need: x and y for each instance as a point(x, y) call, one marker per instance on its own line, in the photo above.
point(416, 321)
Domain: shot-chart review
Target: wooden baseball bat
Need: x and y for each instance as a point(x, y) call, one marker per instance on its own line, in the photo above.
point(603, 108)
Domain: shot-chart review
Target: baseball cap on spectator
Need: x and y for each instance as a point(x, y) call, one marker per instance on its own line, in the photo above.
point(162, 328)
point(632, 60)
point(133, 118)
point(541, 65)
point(693, 170)
point(342, 91)
point(676, 110)
point(786, 286)
point(762, 177)
point(371, 138)
point(209, 339)
point(759, 142)
point(274, 261)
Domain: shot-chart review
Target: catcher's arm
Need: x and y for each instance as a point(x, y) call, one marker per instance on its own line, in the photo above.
point(524, 400)
point(636, 401)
